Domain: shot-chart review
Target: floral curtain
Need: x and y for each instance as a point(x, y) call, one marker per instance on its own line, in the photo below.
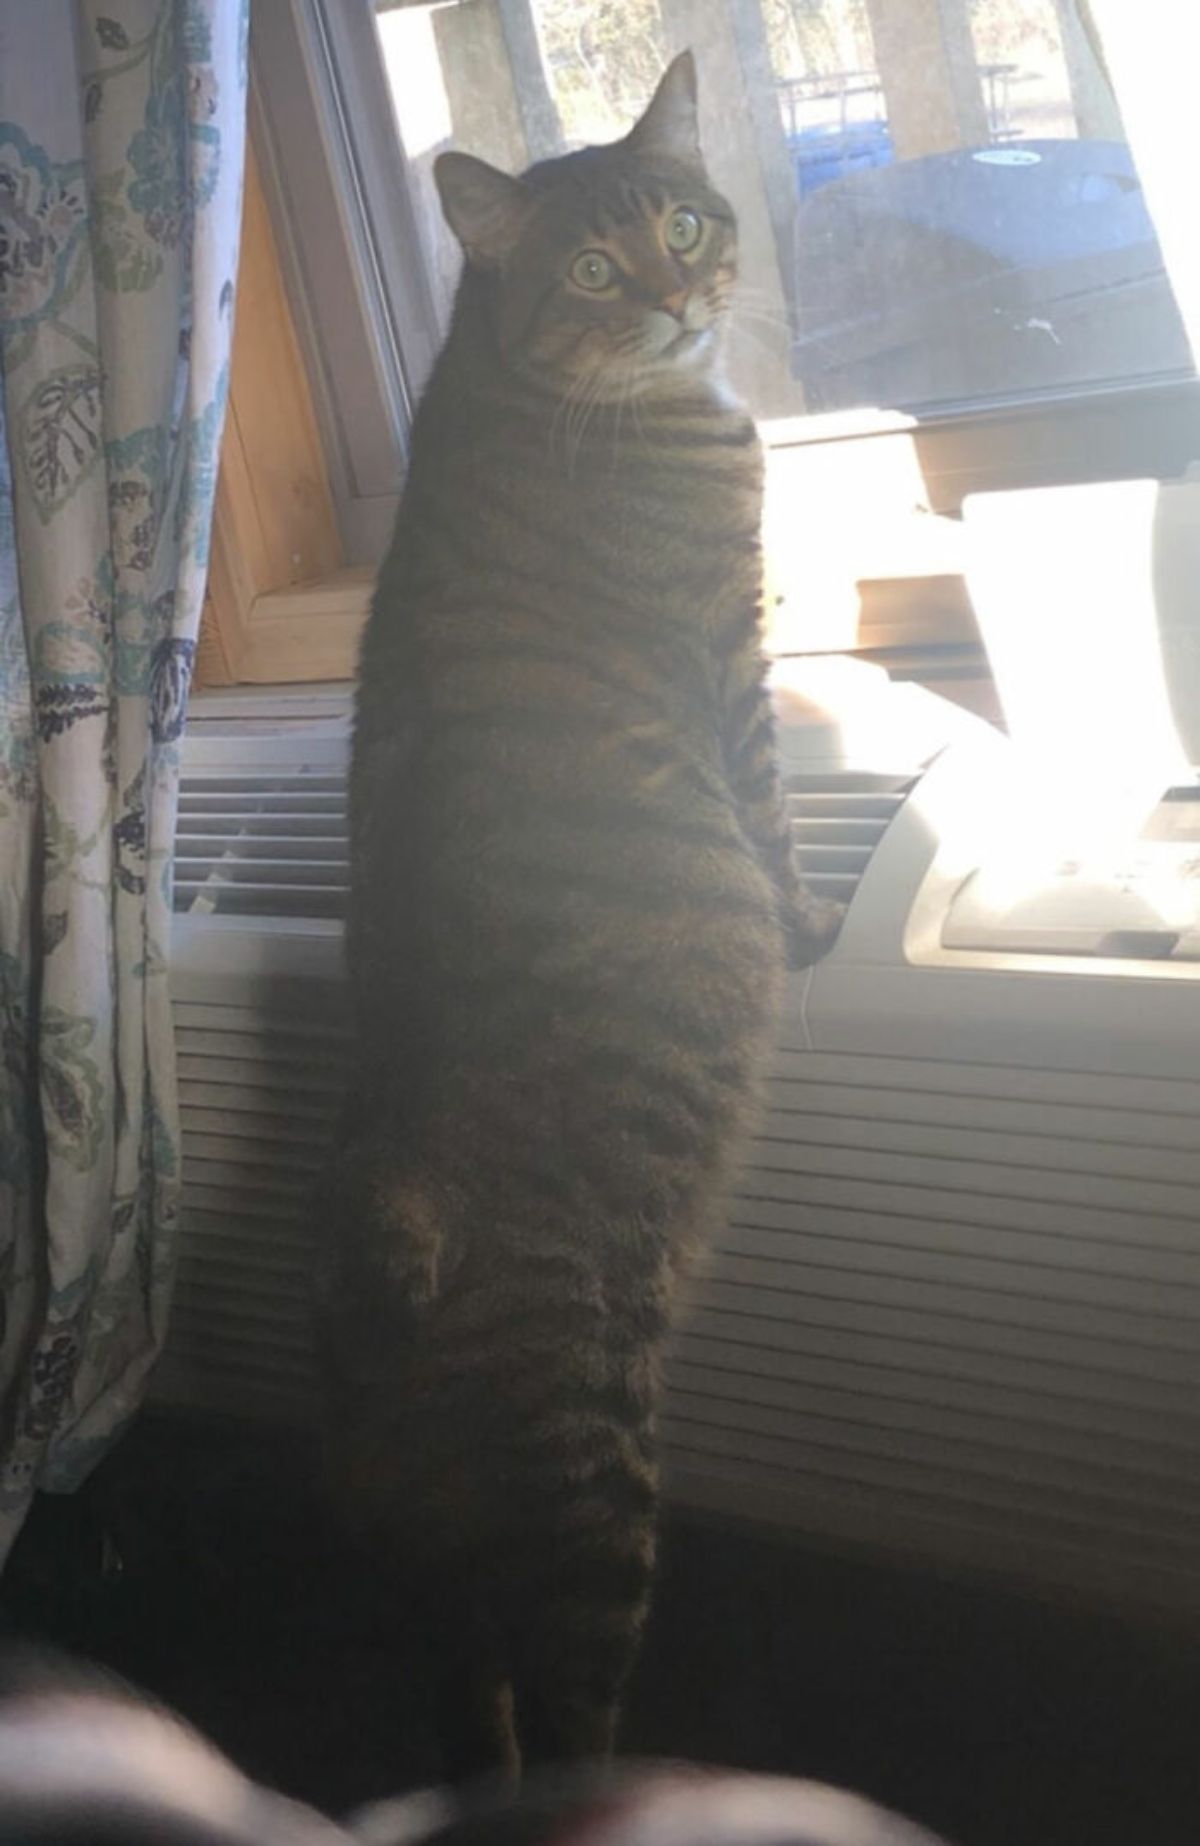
point(122, 130)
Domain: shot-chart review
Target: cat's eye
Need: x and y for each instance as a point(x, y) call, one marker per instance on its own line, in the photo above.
point(593, 270)
point(684, 230)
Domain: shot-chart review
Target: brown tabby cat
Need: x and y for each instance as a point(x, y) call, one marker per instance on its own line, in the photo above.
point(571, 895)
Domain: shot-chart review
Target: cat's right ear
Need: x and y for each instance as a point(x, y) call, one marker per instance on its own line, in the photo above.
point(670, 124)
point(486, 209)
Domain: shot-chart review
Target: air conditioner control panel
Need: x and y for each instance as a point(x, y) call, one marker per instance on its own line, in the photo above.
point(1139, 899)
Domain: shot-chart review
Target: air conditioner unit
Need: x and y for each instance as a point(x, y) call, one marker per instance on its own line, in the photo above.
point(955, 1310)
point(261, 1041)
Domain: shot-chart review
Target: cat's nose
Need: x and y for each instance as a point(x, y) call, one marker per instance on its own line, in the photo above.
point(675, 304)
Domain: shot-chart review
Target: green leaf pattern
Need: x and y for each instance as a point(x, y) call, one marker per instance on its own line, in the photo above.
point(73, 1095)
point(43, 220)
point(120, 188)
point(59, 435)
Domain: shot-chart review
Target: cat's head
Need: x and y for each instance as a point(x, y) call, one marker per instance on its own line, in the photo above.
point(613, 265)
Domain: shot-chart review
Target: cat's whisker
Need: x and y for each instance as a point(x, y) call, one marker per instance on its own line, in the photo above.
point(622, 393)
point(747, 311)
point(750, 332)
point(636, 412)
point(560, 409)
point(768, 334)
point(589, 397)
point(764, 348)
point(745, 291)
point(575, 407)
point(578, 421)
point(562, 412)
point(577, 389)
point(748, 291)
point(764, 304)
point(762, 324)
point(628, 395)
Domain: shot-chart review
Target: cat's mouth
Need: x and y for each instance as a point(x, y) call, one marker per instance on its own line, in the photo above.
point(670, 340)
point(688, 343)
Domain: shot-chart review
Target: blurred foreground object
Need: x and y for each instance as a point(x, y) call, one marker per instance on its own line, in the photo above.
point(90, 1763)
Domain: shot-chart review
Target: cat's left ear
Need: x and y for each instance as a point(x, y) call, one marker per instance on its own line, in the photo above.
point(670, 124)
point(486, 209)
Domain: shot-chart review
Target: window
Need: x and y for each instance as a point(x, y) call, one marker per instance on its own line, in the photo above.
point(952, 273)
point(938, 202)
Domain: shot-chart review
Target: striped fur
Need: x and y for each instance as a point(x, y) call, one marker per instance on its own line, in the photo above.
point(571, 894)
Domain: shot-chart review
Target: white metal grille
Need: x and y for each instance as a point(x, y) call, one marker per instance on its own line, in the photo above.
point(964, 1298)
point(258, 1096)
point(837, 821)
point(262, 845)
point(270, 839)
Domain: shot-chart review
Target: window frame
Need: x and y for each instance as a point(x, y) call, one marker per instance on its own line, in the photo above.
point(342, 214)
point(341, 198)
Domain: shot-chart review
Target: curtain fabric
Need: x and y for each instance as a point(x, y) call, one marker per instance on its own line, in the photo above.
point(122, 132)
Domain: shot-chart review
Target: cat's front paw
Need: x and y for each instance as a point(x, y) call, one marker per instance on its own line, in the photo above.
point(812, 926)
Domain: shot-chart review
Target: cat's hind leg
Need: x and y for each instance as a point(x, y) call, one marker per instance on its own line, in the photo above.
point(475, 1718)
point(578, 1646)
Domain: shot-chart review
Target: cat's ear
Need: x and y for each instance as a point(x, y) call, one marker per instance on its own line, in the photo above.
point(670, 124)
point(486, 209)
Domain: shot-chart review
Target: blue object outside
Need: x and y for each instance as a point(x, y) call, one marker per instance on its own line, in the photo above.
point(1028, 204)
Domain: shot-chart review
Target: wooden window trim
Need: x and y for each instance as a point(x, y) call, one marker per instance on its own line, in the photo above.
point(281, 602)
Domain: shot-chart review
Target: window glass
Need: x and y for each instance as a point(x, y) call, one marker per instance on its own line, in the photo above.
point(936, 199)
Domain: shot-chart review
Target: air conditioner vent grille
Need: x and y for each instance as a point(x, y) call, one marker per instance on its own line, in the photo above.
point(271, 842)
point(262, 843)
point(837, 821)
